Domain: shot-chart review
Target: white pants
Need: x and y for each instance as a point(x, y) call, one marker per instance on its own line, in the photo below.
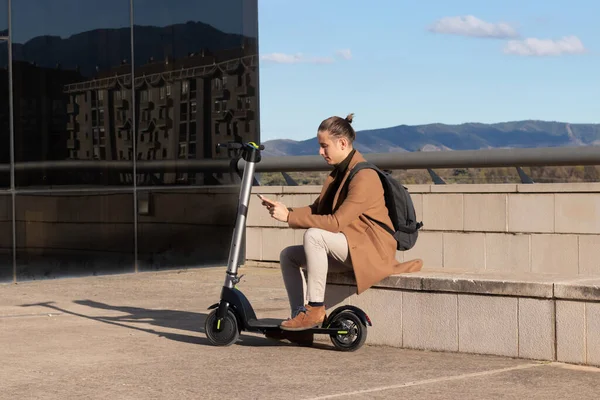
point(321, 251)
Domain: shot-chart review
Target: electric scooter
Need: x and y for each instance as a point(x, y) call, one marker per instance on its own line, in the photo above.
point(346, 325)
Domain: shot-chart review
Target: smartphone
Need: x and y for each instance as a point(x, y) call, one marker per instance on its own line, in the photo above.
point(264, 199)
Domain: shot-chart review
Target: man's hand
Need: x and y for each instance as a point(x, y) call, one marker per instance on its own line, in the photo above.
point(277, 210)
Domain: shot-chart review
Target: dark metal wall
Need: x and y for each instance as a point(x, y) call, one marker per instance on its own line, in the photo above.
point(120, 82)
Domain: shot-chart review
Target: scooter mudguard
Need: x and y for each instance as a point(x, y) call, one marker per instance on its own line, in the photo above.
point(360, 313)
point(236, 300)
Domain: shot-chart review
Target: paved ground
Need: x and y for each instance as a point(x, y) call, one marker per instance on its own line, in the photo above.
point(140, 337)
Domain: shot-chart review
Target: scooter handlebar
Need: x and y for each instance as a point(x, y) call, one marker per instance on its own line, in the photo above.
point(237, 145)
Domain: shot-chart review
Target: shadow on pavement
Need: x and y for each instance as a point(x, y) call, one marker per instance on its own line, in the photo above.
point(171, 319)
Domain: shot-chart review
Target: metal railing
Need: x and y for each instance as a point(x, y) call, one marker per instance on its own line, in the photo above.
point(517, 158)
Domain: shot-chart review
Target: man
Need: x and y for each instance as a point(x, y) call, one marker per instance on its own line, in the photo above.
point(338, 230)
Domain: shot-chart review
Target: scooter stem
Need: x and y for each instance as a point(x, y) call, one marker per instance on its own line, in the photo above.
point(251, 155)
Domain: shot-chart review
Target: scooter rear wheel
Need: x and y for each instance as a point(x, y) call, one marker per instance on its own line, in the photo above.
point(228, 333)
point(352, 333)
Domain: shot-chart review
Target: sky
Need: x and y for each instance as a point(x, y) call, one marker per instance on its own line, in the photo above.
point(394, 62)
point(390, 62)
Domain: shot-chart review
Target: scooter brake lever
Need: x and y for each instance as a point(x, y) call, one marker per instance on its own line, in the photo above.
point(237, 280)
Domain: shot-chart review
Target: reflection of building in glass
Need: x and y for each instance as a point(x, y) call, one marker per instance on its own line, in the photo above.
point(39, 116)
point(71, 87)
point(183, 108)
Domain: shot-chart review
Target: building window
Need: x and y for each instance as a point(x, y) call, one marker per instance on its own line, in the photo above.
point(184, 111)
point(182, 150)
point(182, 132)
point(192, 131)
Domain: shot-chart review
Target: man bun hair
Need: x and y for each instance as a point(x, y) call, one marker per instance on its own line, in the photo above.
point(339, 127)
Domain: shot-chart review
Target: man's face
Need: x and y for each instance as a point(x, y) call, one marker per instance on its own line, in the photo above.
point(333, 150)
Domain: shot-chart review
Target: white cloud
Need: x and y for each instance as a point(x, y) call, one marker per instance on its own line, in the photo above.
point(298, 58)
point(545, 47)
point(346, 54)
point(283, 58)
point(473, 26)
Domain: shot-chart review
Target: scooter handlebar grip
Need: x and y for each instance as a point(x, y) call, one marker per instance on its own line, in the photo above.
point(230, 145)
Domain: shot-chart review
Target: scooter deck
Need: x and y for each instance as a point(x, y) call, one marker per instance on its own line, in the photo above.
point(271, 324)
point(264, 323)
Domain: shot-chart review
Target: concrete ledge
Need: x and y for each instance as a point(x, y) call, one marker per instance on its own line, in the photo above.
point(526, 315)
point(578, 289)
point(577, 187)
point(489, 283)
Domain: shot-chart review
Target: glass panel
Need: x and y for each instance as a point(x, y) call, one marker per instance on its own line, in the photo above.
point(196, 71)
point(4, 116)
point(6, 266)
point(180, 228)
point(71, 102)
point(4, 23)
point(4, 101)
point(74, 234)
point(73, 105)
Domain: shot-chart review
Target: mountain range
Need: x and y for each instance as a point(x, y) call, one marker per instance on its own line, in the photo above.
point(467, 136)
point(101, 49)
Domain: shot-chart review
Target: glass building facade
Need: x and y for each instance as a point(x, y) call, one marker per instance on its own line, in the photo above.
point(99, 99)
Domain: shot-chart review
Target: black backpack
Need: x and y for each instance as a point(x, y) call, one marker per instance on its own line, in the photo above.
point(400, 207)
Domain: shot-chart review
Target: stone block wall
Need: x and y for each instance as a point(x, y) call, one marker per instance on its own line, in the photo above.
point(541, 228)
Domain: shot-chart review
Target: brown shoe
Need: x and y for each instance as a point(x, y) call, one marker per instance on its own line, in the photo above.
point(308, 317)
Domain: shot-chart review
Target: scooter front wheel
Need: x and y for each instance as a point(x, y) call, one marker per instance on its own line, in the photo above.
point(224, 333)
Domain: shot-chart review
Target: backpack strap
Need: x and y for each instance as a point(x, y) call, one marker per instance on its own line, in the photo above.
point(364, 165)
point(359, 166)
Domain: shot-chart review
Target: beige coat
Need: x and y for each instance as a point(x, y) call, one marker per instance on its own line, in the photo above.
point(372, 249)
